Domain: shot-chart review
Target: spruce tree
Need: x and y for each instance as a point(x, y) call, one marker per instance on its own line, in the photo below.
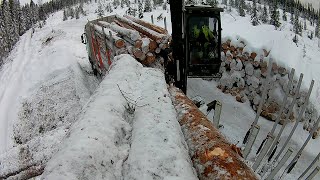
point(254, 16)
point(64, 15)
point(241, 8)
point(317, 30)
point(100, 11)
point(265, 15)
point(164, 6)
point(305, 24)
point(225, 2)
point(296, 24)
point(213, 3)
point(77, 13)
point(147, 6)
point(284, 16)
point(275, 19)
point(140, 9)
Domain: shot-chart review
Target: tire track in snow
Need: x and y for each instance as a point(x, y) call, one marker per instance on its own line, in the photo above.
point(13, 87)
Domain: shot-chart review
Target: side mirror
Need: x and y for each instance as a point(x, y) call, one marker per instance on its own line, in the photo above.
point(83, 38)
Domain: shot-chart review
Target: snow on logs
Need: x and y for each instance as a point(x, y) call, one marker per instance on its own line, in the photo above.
point(144, 41)
point(212, 155)
point(243, 72)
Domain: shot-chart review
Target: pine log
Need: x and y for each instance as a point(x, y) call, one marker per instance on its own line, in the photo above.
point(129, 33)
point(137, 53)
point(147, 25)
point(118, 42)
point(138, 44)
point(157, 50)
point(150, 58)
point(159, 38)
point(210, 152)
point(153, 45)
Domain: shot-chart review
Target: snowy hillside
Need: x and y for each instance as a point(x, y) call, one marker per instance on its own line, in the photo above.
point(45, 104)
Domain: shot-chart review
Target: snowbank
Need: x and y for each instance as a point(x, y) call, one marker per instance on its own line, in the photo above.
point(98, 144)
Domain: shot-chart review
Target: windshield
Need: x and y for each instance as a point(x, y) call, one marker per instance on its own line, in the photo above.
point(203, 40)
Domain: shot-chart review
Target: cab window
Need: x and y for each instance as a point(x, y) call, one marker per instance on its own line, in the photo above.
point(203, 40)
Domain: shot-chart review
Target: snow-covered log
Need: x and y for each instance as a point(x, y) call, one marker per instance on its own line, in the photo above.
point(213, 156)
point(129, 33)
point(118, 42)
point(159, 38)
point(148, 25)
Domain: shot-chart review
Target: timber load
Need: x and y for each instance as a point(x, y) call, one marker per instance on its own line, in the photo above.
point(128, 35)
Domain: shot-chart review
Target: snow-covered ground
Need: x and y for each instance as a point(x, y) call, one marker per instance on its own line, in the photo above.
point(48, 80)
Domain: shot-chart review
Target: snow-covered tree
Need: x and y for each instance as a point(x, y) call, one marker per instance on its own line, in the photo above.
point(147, 6)
point(77, 13)
point(265, 15)
point(212, 2)
point(254, 15)
point(241, 8)
point(140, 9)
point(71, 13)
point(317, 30)
point(64, 15)
point(164, 6)
point(284, 16)
point(100, 11)
point(296, 25)
point(275, 15)
point(225, 2)
point(189, 2)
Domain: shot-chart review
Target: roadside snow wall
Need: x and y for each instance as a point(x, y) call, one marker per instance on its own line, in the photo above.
point(127, 130)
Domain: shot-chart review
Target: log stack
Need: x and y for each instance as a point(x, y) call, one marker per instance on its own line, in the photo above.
point(244, 70)
point(129, 35)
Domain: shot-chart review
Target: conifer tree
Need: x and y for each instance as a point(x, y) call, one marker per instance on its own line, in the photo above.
point(265, 15)
point(316, 33)
point(254, 15)
point(284, 16)
point(140, 9)
point(241, 8)
point(147, 6)
point(100, 11)
point(275, 15)
point(64, 15)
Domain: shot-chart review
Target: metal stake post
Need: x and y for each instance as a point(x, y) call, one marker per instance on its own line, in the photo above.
point(314, 173)
point(263, 152)
point(297, 121)
point(217, 113)
point(309, 167)
point(280, 164)
point(251, 140)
